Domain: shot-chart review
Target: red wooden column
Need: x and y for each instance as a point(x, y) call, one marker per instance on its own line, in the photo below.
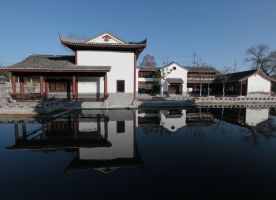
point(74, 86)
point(16, 133)
point(105, 85)
point(41, 86)
point(24, 130)
point(13, 81)
point(134, 86)
point(46, 89)
point(21, 80)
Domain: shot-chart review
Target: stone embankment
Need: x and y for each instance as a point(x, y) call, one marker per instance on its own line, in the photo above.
point(8, 106)
point(179, 101)
point(31, 107)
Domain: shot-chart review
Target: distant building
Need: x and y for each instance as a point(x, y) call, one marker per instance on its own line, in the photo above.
point(146, 81)
point(245, 83)
point(200, 78)
point(174, 80)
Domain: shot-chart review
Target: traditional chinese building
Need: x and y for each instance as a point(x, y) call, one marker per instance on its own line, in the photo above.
point(245, 83)
point(200, 78)
point(101, 68)
point(146, 80)
point(174, 79)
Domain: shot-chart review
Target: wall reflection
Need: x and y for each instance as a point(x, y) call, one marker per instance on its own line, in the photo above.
point(103, 140)
point(173, 120)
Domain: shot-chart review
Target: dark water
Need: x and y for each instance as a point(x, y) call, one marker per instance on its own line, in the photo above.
point(144, 154)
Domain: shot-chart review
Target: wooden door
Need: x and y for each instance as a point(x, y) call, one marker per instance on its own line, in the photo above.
point(172, 89)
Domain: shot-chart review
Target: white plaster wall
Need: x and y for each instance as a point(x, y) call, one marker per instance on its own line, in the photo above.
point(173, 124)
point(122, 144)
point(256, 116)
point(88, 126)
point(164, 86)
point(100, 39)
point(90, 85)
point(179, 72)
point(256, 83)
point(122, 66)
point(137, 74)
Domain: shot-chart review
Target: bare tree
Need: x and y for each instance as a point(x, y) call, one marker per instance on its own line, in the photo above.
point(272, 62)
point(160, 75)
point(262, 58)
point(148, 61)
point(4, 73)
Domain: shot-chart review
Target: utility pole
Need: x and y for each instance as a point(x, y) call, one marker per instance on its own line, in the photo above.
point(235, 64)
point(194, 58)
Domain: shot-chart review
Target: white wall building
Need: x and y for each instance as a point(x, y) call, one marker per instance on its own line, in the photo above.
point(119, 131)
point(253, 117)
point(107, 50)
point(174, 79)
point(258, 84)
point(245, 83)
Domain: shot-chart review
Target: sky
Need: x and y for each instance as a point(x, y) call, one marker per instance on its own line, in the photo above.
point(218, 31)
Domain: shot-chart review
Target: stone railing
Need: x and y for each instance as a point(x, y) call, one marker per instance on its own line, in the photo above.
point(243, 99)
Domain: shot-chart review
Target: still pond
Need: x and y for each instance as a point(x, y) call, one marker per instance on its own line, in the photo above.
point(203, 153)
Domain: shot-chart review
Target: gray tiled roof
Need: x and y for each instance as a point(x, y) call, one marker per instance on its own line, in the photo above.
point(53, 63)
point(174, 80)
point(202, 69)
point(69, 41)
point(150, 69)
point(240, 76)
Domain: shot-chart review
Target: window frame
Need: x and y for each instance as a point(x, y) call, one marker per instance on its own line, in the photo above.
point(117, 88)
point(120, 126)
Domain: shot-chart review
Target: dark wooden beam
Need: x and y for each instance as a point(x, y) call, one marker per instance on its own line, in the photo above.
point(74, 86)
point(41, 86)
point(241, 89)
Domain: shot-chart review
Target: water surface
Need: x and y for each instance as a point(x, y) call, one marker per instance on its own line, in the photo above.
point(196, 153)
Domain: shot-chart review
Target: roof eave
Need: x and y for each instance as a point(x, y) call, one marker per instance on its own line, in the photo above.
point(57, 71)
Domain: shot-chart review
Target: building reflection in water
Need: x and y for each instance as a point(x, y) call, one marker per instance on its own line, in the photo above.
point(175, 119)
point(105, 140)
point(102, 140)
point(252, 118)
